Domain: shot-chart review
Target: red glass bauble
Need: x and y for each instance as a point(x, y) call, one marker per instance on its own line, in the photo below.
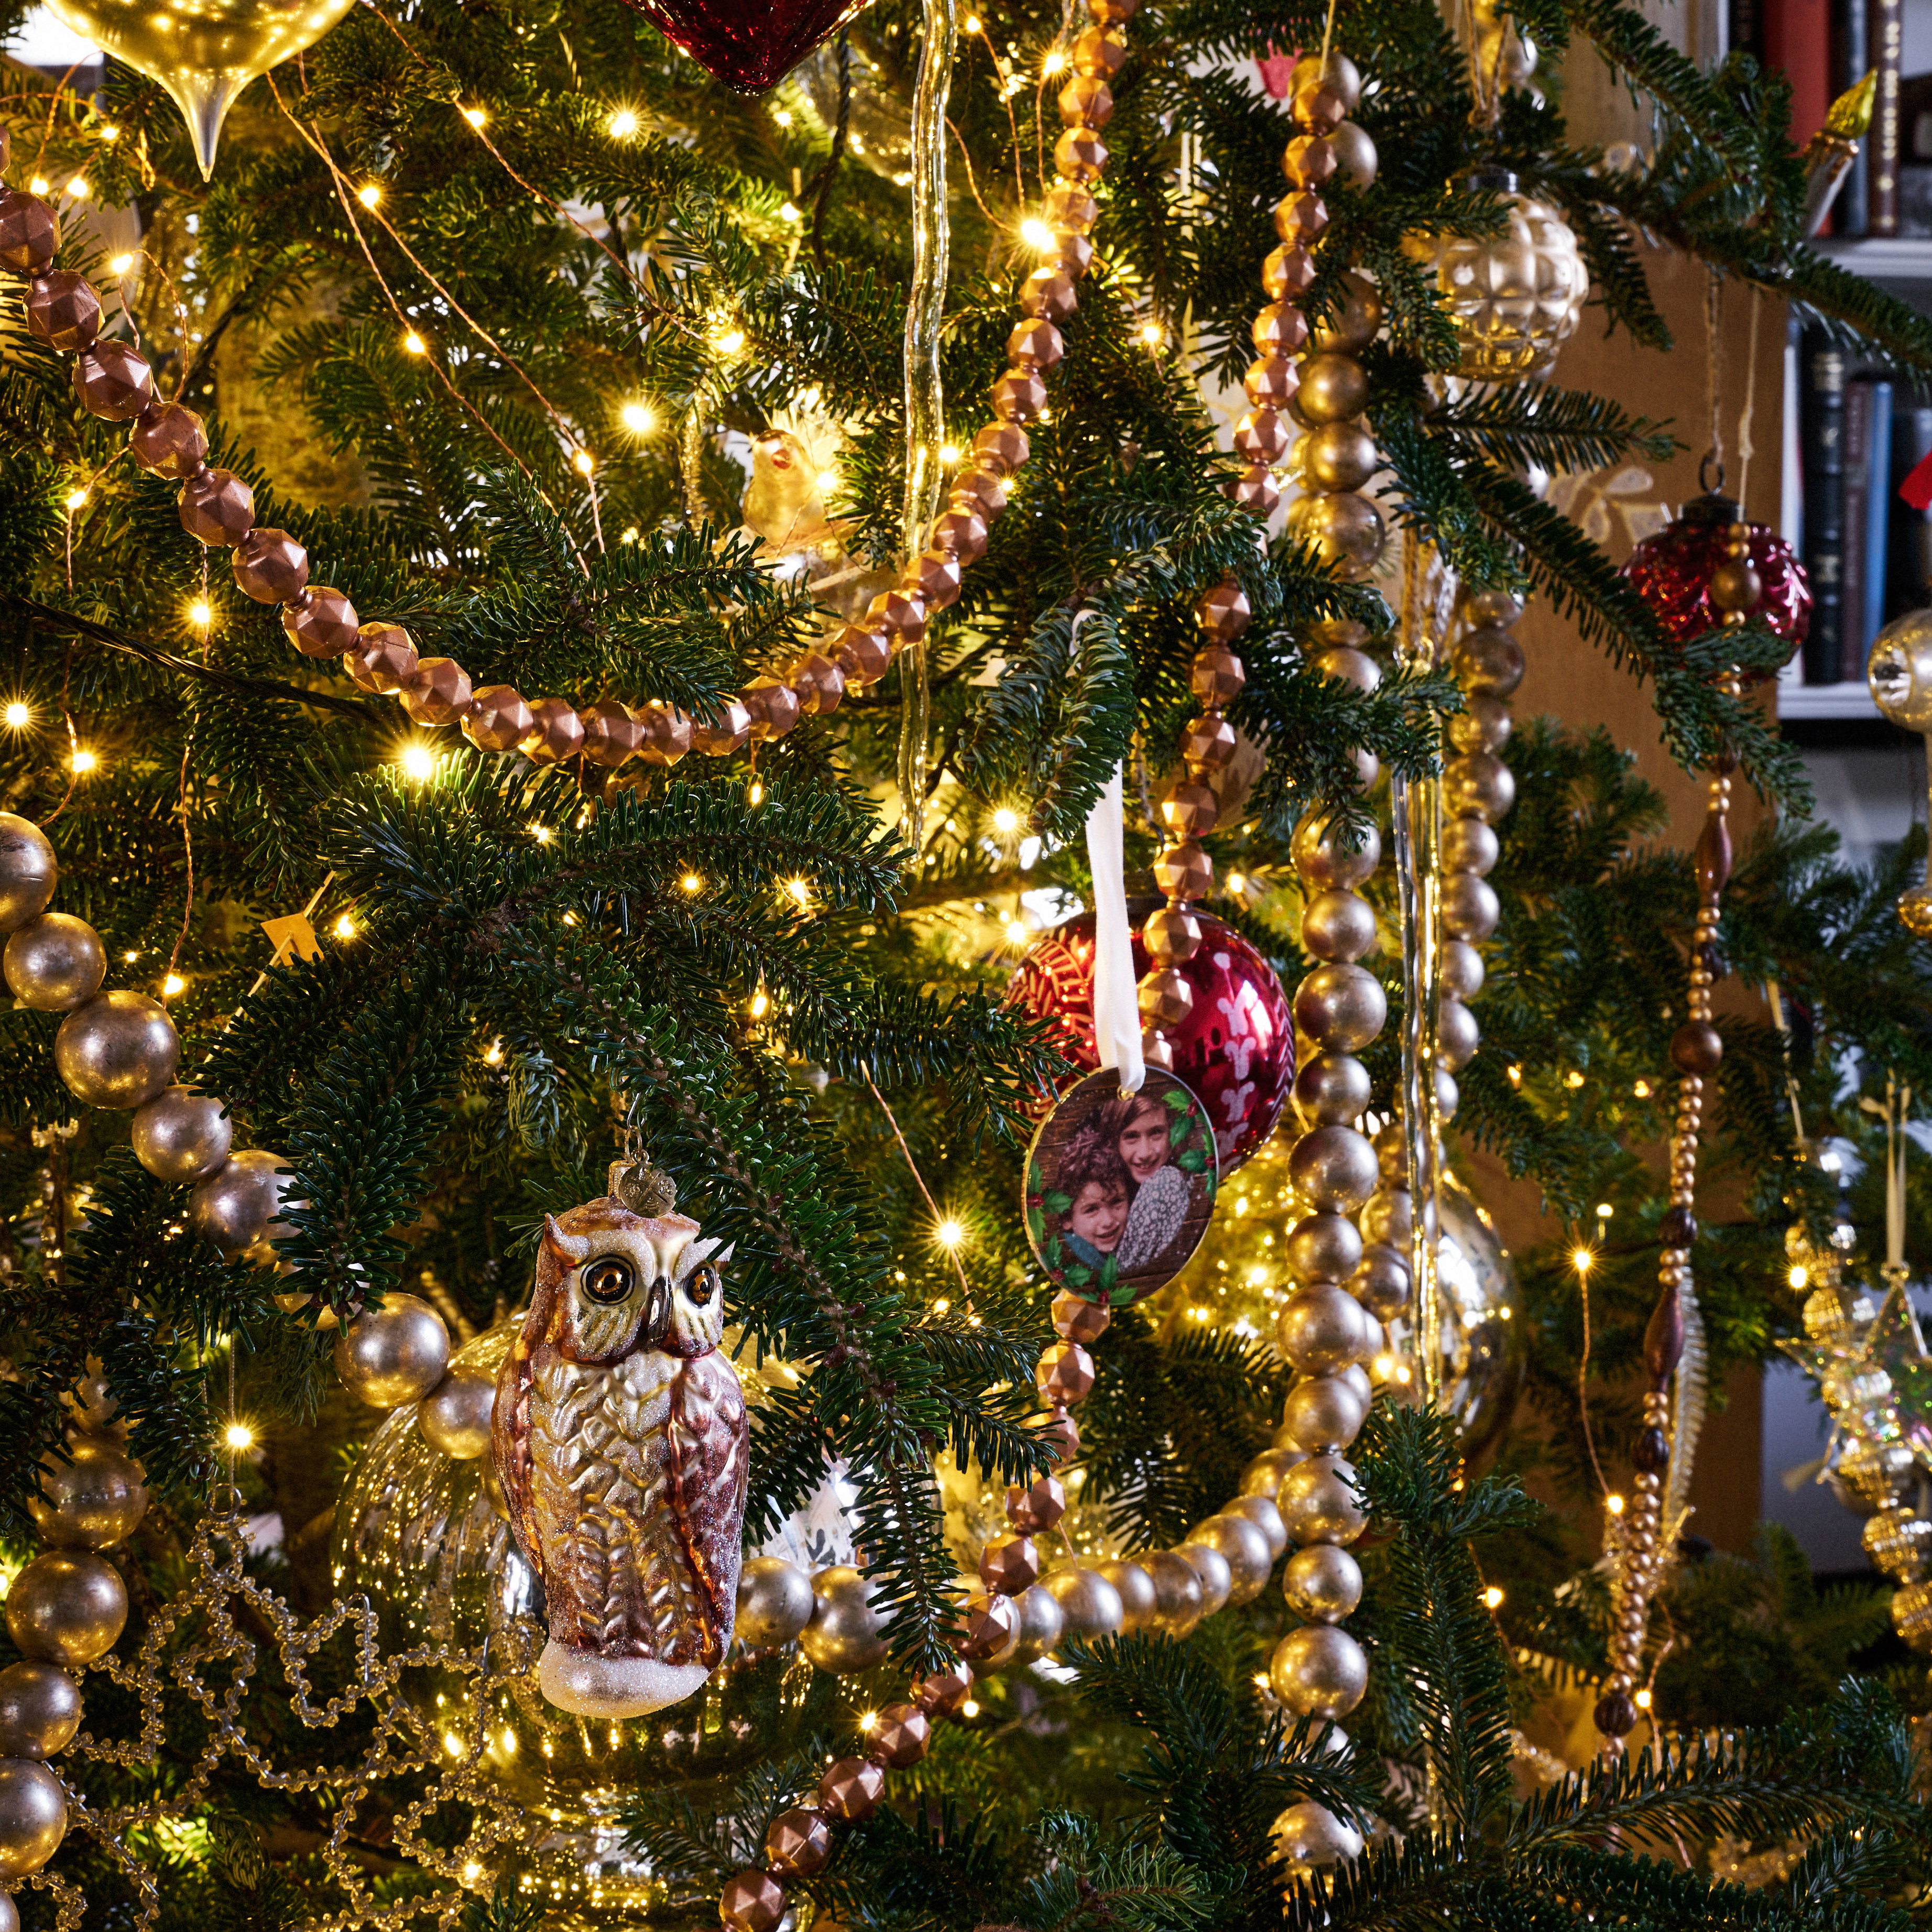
point(1235, 1048)
point(750, 45)
point(1671, 572)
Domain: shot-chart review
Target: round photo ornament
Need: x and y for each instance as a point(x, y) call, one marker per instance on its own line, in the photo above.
point(1120, 1187)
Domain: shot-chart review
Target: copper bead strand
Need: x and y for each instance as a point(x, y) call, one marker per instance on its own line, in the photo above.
point(1696, 1050)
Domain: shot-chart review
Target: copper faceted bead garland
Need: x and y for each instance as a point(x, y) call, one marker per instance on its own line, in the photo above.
point(113, 380)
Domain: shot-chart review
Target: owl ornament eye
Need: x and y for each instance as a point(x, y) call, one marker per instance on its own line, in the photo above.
point(620, 1439)
point(608, 1280)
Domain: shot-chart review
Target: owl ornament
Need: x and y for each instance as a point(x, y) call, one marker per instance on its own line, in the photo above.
point(620, 1438)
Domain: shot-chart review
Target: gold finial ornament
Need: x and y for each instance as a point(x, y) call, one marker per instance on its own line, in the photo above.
point(203, 52)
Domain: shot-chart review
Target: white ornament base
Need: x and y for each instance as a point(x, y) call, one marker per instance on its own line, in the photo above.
point(588, 1686)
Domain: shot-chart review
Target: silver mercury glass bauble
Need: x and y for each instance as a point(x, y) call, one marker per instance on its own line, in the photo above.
point(1319, 1671)
point(1180, 1603)
point(455, 1415)
point(1090, 1605)
point(33, 1816)
point(1318, 1503)
point(39, 1710)
point(1899, 671)
point(1043, 1624)
point(1134, 1587)
point(181, 1136)
point(393, 1354)
point(117, 1049)
point(1322, 1582)
point(1515, 298)
point(27, 871)
point(90, 1496)
point(1217, 1575)
point(68, 1606)
point(1243, 1548)
point(1309, 1835)
point(1261, 1511)
point(236, 1206)
point(775, 1602)
point(845, 1633)
point(54, 962)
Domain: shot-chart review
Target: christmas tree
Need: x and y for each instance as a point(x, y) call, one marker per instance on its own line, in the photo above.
point(600, 1326)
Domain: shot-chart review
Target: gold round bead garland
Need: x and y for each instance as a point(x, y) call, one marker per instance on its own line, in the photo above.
point(1477, 791)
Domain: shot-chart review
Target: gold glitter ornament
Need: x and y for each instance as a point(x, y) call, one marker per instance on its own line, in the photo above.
point(1515, 298)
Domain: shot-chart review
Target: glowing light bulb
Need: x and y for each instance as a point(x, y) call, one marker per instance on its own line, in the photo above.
point(1055, 63)
point(238, 1435)
point(636, 419)
point(1006, 820)
point(828, 479)
point(75, 498)
point(493, 1056)
point(84, 761)
point(730, 341)
point(1573, 1078)
point(110, 135)
point(200, 614)
point(757, 793)
point(974, 25)
point(344, 927)
point(413, 344)
point(418, 761)
point(760, 1006)
point(940, 1305)
point(1614, 1503)
point(630, 536)
point(949, 454)
point(542, 834)
point(691, 882)
point(39, 184)
point(1516, 1076)
point(1035, 233)
point(623, 124)
point(1797, 1277)
point(800, 889)
point(173, 984)
point(1642, 1089)
point(120, 264)
point(1580, 1259)
point(79, 188)
point(788, 213)
point(1152, 334)
point(970, 1708)
point(949, 1233)
point(369, 193)
point(475, 116)
point(1493, 1597)
point(18, 716)
point(583, 462)
point(1642, 1700)
point(1237, 883)
point(782, 115)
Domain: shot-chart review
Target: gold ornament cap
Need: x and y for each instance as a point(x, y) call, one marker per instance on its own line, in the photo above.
point(643, 1189)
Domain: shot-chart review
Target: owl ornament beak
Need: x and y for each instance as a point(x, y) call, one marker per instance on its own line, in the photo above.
point(656, 1325)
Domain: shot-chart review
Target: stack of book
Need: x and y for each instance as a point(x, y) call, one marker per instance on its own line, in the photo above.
point(1868, 554)
point(1825, 47)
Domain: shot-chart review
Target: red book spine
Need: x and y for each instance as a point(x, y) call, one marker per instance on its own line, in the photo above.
point(1798, 39)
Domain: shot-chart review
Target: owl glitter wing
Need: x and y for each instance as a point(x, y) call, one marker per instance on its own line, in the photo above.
point(510, 1419)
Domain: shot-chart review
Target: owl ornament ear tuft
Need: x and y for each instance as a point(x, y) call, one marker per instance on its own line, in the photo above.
point(671, 1533)
point(568, 1249)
